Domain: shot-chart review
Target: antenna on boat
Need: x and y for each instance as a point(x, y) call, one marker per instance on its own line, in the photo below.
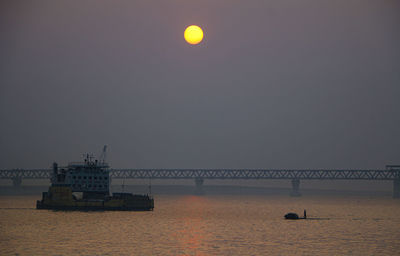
point(123, 185)
point(102, 158)
point(150, 186)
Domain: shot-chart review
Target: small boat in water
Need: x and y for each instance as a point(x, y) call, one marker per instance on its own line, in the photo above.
point(295, 216)
point(291, 216)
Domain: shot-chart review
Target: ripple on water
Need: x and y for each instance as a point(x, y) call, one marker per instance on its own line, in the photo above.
point(207, 225)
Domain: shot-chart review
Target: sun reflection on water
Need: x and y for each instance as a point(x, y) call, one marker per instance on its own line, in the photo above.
point(192, 234)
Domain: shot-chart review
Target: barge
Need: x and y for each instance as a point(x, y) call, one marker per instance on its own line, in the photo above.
point(85, 186)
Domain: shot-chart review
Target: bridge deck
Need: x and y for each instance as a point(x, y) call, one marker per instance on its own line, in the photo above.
point(389, 174)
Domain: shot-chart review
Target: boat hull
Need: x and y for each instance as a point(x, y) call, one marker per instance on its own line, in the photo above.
point(40, 206)
point(61, 198)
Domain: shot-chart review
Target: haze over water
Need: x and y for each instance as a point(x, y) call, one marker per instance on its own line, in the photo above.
point(207, 225)
point(275, 84)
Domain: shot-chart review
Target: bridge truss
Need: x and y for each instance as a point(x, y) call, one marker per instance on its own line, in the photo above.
point(390, 174)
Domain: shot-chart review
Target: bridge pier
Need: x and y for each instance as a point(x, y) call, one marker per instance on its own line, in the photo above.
point(199, 186)
point(295, 188)
point(17, 181)
point(396, 188)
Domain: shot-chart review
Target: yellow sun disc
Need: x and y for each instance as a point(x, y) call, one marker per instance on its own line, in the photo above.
point(193, 34)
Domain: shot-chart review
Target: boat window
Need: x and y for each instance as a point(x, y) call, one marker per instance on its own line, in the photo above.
point(74, 177)
point(90, 177)
point(95, 177)
point(79, 177)
point(100, 186)
point(105, 178)
point(99, 178)
point(84, 177)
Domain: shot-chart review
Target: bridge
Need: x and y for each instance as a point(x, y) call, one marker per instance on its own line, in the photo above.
point(391, 173)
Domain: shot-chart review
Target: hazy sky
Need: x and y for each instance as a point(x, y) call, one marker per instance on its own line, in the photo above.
point(274, 84)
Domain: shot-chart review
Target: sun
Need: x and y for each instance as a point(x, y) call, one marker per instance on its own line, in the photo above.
point(193, 34)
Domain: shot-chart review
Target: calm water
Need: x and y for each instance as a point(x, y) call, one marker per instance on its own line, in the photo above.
point(208, 225)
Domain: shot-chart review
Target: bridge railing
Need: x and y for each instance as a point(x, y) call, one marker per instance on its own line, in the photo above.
point(390, 174)
point(26, 174)
point(256, 174)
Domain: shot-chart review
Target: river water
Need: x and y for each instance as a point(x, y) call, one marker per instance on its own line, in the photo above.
point(207, 225)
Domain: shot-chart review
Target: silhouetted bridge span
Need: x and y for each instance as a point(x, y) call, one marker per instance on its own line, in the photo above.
point(392, 172)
